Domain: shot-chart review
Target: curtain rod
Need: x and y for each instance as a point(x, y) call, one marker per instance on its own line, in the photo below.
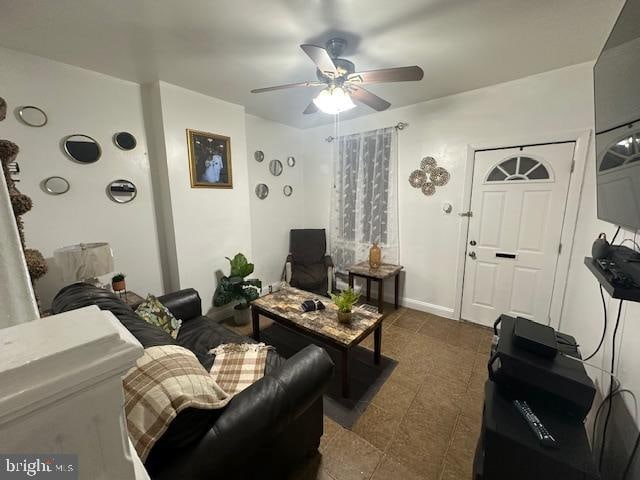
point(397, 126)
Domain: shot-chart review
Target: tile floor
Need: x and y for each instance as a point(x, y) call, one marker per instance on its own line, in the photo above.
point(425, 420)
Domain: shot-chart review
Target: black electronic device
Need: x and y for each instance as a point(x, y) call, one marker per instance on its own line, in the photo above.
point(619, 274)
point(560, 383)
point(535, 425)
point(535, 337)
point(617, 121)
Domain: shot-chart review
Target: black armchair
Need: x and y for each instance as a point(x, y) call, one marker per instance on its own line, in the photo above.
point(308, 266)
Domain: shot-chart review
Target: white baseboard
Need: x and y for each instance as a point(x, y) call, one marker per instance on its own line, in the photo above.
point(425, 307)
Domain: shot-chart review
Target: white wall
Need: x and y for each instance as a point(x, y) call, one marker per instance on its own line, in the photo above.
point(508, 114)
point(208, 223)
point(583, 312)
point(85, 102)
point(273, 217)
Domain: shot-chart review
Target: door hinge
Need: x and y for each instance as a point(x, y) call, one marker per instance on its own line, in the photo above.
point(466, 214)
point(573, 166)
point(559, 248)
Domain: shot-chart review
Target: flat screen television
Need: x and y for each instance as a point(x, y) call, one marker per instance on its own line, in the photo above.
point(617, 106)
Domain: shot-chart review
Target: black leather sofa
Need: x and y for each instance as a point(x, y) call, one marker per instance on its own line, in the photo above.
point(262, 433)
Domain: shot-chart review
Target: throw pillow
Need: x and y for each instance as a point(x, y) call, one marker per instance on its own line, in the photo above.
point(166, 380)
point(155, 313)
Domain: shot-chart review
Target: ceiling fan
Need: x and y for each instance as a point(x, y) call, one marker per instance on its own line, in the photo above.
point(341, 81)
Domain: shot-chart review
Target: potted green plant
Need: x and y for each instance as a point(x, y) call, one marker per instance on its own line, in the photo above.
point(345, 302)
point(117, 282)
point(235, 288)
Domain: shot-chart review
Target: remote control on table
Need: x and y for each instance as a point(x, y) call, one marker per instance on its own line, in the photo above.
point(536, 426)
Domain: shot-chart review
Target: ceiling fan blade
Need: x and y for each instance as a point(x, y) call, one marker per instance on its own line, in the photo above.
point(368, 98)
point(288, 85)
point(311, 108)
point(321, 58)
point(384, 75)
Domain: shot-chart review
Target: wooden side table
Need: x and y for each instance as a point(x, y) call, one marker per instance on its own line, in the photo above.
point(385, 271)
point(130, 298)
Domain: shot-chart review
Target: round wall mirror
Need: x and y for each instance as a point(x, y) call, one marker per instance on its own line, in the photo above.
point(82, 148)
point(258, 155)
point(122, 191)
point(275, 167)
point(56, 185)
point(33, 116)
point(262, 191)
point(291, 161)
point(287, 190)
point(125, 141)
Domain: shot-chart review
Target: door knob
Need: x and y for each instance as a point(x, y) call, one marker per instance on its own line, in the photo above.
point(472, 243)
point(472, 255)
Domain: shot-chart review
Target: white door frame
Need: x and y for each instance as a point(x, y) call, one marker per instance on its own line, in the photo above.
point(583, 140)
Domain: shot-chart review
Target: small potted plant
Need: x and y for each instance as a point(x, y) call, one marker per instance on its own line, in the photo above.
point(345, 302)
point(235, 288)
point(117, 282)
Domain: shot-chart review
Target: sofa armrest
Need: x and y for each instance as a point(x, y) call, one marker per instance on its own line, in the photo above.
point(256, 415)
point(184, 304)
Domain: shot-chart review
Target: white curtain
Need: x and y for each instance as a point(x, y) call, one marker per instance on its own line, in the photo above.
point(364, 201)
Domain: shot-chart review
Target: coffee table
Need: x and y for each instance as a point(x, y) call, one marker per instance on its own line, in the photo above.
point(283, 307)
point(380, 274)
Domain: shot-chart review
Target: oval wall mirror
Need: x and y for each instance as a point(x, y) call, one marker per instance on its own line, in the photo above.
point(287, 190)
point(275, 167)
point(291, 161)
point(125, 141)
point(56, 185)
point(258, 155)
point(82, 148)
point(262, 191)
point(122, 191)
point(33, 116)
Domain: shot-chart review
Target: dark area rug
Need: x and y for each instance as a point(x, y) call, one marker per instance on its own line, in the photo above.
point(366, 377)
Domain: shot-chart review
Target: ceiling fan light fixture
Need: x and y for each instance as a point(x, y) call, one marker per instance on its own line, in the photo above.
point(334, 101)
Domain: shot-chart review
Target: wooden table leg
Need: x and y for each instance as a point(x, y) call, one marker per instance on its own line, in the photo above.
point(255, 317)
point(397, 288)
point(351, 281)
point(368, 289)
point(380, 296)
point(345, 373)
point(377, 344)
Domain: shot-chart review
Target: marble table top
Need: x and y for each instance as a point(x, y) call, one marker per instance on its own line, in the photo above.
point(285, 303)
point(385, 270)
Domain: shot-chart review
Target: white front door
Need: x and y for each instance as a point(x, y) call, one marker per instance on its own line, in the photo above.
point(518, 202)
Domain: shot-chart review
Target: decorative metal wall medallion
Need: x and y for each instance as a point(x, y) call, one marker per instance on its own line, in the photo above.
point(439, 176)
point(262, 191)
point(417, 178)
point(428, 189)
point(428, 163)
point(429, 176)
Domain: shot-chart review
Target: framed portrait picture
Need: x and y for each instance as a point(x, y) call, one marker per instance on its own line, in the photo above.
point(209, 160)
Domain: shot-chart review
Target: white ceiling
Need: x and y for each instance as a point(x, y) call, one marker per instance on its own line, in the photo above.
point(224, 48)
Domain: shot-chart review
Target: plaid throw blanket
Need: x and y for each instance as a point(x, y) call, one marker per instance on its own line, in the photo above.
point(237, 366)
point(166, 380)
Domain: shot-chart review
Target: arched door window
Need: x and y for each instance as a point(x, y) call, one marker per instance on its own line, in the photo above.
point(520, 168)
point(624, 151)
